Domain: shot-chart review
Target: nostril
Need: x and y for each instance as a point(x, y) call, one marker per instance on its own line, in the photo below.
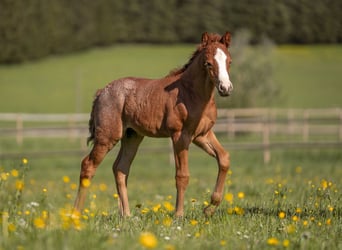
point(222, 88)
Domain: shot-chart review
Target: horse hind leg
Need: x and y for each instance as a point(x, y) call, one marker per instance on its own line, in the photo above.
point(88, 168)
point(129, 146)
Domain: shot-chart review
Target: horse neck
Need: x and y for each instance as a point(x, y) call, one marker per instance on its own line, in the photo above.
point(196, 80)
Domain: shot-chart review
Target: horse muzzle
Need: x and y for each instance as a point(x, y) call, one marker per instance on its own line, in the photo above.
point(225, 89)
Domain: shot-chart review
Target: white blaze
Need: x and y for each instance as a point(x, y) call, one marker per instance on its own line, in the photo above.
point(221, 58)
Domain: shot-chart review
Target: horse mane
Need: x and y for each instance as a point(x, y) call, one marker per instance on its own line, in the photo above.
point(212, 38)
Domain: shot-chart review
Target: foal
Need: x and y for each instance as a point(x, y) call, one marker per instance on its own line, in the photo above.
point(180, 106)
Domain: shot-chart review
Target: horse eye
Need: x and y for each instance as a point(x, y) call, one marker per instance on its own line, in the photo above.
point(208, 65)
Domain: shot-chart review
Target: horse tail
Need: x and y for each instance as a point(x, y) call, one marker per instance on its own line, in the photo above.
point(92, 123)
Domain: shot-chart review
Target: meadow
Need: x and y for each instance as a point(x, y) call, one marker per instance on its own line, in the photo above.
point(308, 76)
point(294, 202)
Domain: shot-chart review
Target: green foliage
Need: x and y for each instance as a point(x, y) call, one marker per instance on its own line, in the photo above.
point(252, 72)
point(37, 28)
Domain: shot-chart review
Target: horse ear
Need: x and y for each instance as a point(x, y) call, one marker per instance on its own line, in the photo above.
point(225, 39)
point(205, 38)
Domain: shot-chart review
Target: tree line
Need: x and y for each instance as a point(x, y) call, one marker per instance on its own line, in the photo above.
point(36, 28)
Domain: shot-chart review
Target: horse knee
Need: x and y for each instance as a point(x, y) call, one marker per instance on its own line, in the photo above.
point(182, 181)
point(224, 162)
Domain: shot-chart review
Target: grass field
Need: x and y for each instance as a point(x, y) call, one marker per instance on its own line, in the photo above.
point(294, 202)
point(309, 76)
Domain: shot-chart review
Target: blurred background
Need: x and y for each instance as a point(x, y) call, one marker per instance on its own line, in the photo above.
point(54, 55)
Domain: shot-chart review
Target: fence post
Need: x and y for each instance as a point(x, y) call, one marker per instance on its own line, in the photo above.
point(306, 126)
point(231, 124)
point(340, 130)
point(266, 140)
point(19, 127)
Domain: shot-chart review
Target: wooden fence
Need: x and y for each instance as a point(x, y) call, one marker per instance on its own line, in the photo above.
point(269, 128)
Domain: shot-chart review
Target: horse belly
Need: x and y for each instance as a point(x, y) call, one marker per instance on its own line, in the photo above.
point(149, 125)
point(146, 119)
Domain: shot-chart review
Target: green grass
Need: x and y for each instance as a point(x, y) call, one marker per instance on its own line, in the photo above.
point(309, 76)
point(306, 187)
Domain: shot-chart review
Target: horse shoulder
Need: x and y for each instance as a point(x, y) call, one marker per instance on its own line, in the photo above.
point(207, 120)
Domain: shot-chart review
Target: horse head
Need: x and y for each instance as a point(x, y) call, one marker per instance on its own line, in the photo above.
point(217, 61)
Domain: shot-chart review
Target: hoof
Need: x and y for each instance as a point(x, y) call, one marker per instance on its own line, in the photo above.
point(209, 210)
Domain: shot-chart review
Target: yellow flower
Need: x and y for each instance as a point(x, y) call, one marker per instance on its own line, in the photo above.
point(19, 185)
point(145, 210)
point(11, 227)
point(45, 214)
point(169, 247)
point(73, 186)
point(193, 222)
point(39, 223)
point(3, 176)
point(272, 241)
point(103, 187)
point(168, 206)
point(14, 173)
point(239, 210)
point(24, 161)
point(148, 240)
point(328, 222)
point(167, 221)
point(229, 197)
point(299, 169)
point(291, 229)
point(115, 196)
point(66, 179)
point(156, 208)
point(330, 208)
point(282, 215)
point(295, 218)
point(324, 184)
point(86, 182)
point(241, 195)
point(230, 210)
point(298, 210)
point(286, 243)
point(223, 242)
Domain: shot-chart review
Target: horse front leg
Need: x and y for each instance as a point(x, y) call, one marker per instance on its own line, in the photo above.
point(180, 148)
point(212, 146)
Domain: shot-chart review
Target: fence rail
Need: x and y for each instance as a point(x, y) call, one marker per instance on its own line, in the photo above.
point(297, 128)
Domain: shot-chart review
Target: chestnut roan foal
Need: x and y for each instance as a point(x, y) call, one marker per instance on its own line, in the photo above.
point(180, 106)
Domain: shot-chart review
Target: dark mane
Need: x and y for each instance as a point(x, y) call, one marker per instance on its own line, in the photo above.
point(200, 47)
